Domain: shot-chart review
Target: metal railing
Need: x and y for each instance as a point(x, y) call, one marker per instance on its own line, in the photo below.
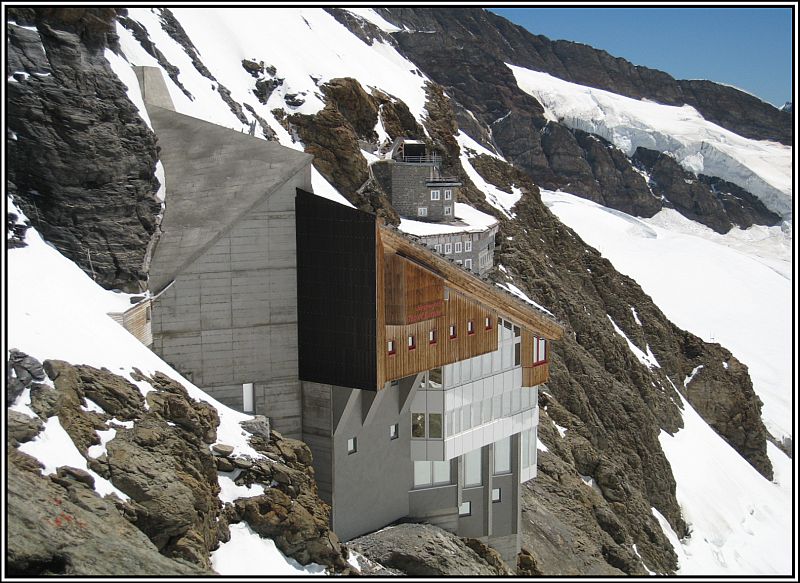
point(422, 159)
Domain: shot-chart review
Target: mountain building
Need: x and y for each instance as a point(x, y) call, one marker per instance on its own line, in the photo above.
point(413, 381)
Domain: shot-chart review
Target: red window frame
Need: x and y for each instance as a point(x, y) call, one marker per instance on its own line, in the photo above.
point(432, 337)
point(488, 323)
point(412, 342)
point(453, 331)
point(470, 327)
point(391, 347)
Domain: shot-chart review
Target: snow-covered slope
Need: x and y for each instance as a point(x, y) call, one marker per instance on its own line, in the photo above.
point(763, 168)
point(70, 322)
point(734, 289)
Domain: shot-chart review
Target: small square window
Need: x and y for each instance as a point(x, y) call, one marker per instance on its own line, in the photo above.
point(391, 347)
point(495, 494)
point(453, 332)
point(465, 509)
point(467, 246)
point(470, 327)
point(432, 337)
point(458, 247)
point(394, 431)
point(448, 210)
point(448, 194)
point(352, 445)
point(459, 262)
point(435, 195)
point(448, 248)
point(412, 342)
point(422, 211)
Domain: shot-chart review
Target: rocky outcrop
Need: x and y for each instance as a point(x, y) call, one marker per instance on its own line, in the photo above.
point(714, 202)
point(60, 526)
point(80, 159)
point(163, 455)
point(424, 550)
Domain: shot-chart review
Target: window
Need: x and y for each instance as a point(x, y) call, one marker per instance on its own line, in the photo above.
point(459, 262)
point(458, 247)
point(432, 337)
point(467, 246)
point(517, 354)
point(448, 194)
point(438, 248)
point(452, 331)
point(418, 425)
point(468, 263)
point(465, 509)
point(502, 456)
point(352, 445)
point(495, 494)
point(448, 248)
point(391, 347)
point(431, 473)
point(470, 327)
point(448, 210)
point(248, 398)
point(539, 350)
point(422, 211)
point(472, 468)
point(394, 431)
point(435, 425)
point(435, 195)
point(435, 378)
point(488, 323)
point(412, 342)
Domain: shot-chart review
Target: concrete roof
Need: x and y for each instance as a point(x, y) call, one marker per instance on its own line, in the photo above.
point(214, 177)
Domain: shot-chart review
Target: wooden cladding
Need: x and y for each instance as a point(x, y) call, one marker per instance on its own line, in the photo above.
point(489, 294)
point(536, 374)
point(136, 320)
point(533, 373)
point(413, 293)
point(430, 352)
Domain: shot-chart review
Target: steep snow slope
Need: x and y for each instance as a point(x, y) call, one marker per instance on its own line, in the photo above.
point(307, 47)
point(739, 522)
point(74, 326)
point(734, 289)
point(763, 168)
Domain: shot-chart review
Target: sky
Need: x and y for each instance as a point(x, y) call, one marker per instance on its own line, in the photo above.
point(750, 48)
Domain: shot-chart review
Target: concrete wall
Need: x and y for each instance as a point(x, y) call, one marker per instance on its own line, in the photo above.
point(368, 489)
point(230, 317)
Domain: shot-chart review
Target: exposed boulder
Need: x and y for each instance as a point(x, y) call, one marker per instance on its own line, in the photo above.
point(424, 550)
point(64, 528)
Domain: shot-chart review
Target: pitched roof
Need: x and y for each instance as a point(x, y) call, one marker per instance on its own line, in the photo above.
point(214, 177)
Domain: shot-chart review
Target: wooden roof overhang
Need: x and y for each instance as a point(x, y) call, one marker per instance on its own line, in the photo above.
point(503, 302)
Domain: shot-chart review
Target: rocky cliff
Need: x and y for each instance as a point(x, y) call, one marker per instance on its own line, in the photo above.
point(81, 160)
point(161, 455)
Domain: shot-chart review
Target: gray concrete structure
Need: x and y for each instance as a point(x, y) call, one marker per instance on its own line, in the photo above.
point(224, 313)
point(224, 270)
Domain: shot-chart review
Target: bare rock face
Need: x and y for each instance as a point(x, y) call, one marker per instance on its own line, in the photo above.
point(424, 550)
point(62, 527)
point(161, 456)
point(80, 159)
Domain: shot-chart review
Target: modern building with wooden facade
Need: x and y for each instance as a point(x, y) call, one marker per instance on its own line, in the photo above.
point(413, 381)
